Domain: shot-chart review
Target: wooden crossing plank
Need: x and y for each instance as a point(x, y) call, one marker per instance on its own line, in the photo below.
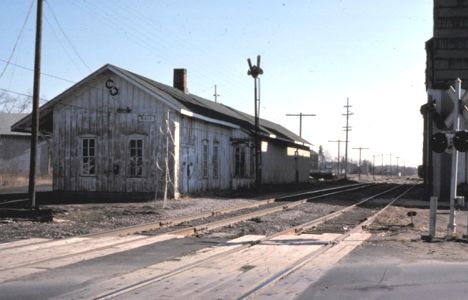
point(22, 243)
point(12, 259)
point(294, 284)
point(15, 273)
point(228, 276)
point(107, 285)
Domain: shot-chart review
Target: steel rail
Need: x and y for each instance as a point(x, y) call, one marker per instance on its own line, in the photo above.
point(152, 280)
point(186, 232)
point(286, 197)
point(12, 201)
point(176, 221)
point(128, 230)
point(302, 261)
point(194, 230)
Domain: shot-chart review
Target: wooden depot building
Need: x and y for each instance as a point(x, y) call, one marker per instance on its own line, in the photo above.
point(117, 131)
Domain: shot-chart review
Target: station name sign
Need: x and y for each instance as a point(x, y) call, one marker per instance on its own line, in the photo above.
point(145, 118)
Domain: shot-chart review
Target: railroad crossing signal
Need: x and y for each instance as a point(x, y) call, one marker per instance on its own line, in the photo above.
point(439, 142)
point(455, 138)
point(460, 141)
point(460, 100)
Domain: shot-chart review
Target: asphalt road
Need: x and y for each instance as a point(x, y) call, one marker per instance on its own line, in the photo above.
point(370, 273)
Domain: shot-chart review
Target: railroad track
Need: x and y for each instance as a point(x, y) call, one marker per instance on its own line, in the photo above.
point(153, 226)
point(41, 255)
point(358, 226)
point(95, 245)
point(132, 283)
point(304, 197)
point(9, 203)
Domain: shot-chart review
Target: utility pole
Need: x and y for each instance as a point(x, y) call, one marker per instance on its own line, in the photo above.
point(35, 108)
point(255, 71)
point(360, 150)
point(381, 168)
point(391, 174)
point(338, 172)
point(347, 128)
point(300, 115)
point(216, 95)
point(373, 167)
point(397, 171)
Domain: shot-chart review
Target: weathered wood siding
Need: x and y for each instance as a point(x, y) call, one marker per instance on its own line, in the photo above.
point(281, 163)
point(15, 156)
point(195, 134)
point(91, 111)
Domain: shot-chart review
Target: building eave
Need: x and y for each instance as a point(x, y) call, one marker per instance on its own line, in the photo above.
point(207, 119)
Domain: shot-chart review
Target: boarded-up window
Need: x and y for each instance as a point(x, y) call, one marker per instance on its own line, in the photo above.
point(239, 170)
point(215, 159)
point(205, 159)
point(88, 156)
point(136, 158)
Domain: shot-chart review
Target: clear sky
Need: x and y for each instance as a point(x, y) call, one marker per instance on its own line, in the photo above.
point(314, 53)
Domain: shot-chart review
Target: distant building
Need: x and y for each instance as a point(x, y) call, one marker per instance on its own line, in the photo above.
point(447, 60)
point(14, 149)
point(112, 131)
point(314, 159)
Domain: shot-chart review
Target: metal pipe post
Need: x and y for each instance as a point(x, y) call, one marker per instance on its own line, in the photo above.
point(258, 171)
point(451, 228)
point(433, 217)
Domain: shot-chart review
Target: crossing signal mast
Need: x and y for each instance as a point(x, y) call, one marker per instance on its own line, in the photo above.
point(451, 141)
point(255, 71)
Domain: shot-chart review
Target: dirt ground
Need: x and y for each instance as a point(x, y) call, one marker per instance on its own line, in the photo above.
point(78, 219)
point(395, 230)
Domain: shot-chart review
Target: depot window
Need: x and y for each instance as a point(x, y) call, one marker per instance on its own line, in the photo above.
point(205, 159)
point(88, 156)
point(136, 158)
point(215, 160)
point(239, 159)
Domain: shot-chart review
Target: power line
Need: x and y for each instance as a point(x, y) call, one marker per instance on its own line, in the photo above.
point(66, 36)
point(17, 39)
point(172, 36)
point(338, 167)
point(63, 46)
point(147, 41)
point(300, 115)
point(360, 150)
point(20, 94)
point(42, 73)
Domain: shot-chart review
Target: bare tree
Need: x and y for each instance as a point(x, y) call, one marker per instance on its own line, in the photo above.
point(19, 103)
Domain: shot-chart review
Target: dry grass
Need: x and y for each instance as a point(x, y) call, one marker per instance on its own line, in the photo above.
point(8, 180)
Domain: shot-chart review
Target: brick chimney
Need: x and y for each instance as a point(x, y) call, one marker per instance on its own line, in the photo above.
point(180, 80)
